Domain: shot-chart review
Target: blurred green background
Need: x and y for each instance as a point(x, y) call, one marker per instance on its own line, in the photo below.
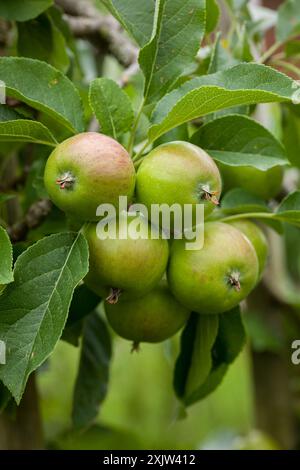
point(140, 410)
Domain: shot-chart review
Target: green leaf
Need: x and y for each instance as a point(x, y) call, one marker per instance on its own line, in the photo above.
point(34, 307)
point(41, 39)
point(212, 15)
point(237, 140)
point(83, 303)
point(228, 344)
point(221, 58)
point(112, 107)
point(92, 379)
point(243, 84)
point(288, 20)
point(236, 4)
point(194, 361)
point(291, 135)
point(239, 200)
point(20, 10)
point(231, 336)
point(44, 88)
point(136, 16)
point(170, 54)
point(5, 197)
point(6, 274)
point(241, 45)
point(289, 209)
point(23, 130)
point(8, 114)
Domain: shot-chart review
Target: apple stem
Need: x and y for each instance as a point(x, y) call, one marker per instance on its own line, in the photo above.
point(135, 347)
point(234, 281)
point(209, 195)
point(114, 295)
point(66, 181)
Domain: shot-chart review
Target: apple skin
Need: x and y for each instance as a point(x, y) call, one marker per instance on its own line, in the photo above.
point(258, 240)
point(153, 318)
point(101, 169)
point(177, 172)
point(265, 184)
point(218, 277)
point(132, 266)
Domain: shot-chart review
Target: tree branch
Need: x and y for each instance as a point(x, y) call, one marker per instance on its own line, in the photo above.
point(35, 216)
point(85, 20)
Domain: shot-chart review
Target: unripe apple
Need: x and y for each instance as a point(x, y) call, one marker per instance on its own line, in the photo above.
point(179, 172)
point(265, 184)
point(87, 170)
point(152, 318)
point(217, 277)
point(125, 267)
point(258, 240)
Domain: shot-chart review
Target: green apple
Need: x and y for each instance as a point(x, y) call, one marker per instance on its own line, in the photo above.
point(152, 318)
point(265, 184)
point(87, 170)
point(178, 173)
point(217, 277)
point(257, 238)
point(124, 265)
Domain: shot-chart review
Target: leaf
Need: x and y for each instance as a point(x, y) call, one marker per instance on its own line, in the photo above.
point(136, 16)
point(288, 20)
point(6, 273)
point(291, 136)
point(212, 15)
point(289, 209)
point(92, 379)
point(41, 39)
point(5, 197)
point(83, 303)
point(194, 361)
point(228, 344)
point(44, 88)
point(237, 140)
point(23, 130)
point(170, 54)
point(220, 58)
point(8, 114)
point(243, 84)
point(111, 106)
point(239, 200)
point(231, 336)
point(34, 307)
point(236, 4)
point(20, 10)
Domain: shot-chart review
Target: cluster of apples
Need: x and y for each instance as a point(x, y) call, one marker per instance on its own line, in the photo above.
point(151, 285)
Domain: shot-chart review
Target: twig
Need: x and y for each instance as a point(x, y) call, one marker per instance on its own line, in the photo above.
point(84, 19)
point(34, 217)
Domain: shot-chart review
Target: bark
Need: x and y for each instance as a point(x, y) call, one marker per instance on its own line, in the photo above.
point(23, 430)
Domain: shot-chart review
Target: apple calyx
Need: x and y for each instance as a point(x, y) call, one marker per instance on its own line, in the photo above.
point(234, 281)
point(208, 195)
point(66, 181)
point(135, 347)
point(114, 295)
